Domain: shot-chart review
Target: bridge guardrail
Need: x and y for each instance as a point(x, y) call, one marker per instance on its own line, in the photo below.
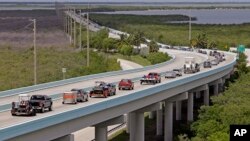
point(77, 79)
point(16, 130)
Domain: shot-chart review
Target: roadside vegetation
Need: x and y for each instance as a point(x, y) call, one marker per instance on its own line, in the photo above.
point(223, 36)
point(17, 65)
point(231, 107)
point(128, 47)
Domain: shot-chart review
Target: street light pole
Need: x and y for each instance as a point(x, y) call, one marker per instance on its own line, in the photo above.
point(80, 38)
point(34, 44)
point(88, 37)
point(190, 28)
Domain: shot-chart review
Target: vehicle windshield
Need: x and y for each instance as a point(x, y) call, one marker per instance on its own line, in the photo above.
point(154, 74)
point(37, 97)
point(24, 98)
point(99, 83)
point(125, 80)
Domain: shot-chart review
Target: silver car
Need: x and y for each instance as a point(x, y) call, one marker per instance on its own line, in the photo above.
point(170, 74)
point(215, 62)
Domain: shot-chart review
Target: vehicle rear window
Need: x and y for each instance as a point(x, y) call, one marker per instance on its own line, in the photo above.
point(37, 97)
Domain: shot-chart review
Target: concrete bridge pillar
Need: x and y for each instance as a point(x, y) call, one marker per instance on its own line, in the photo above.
point(178, 110)
point(136, 126)
point(152, 115)
point(101, 129)
point(127, 123)
point(159, 123)
point(190, 106)
point(216, 89)
point(69, 137)
point(206, 97)
point(137, 122)
point(197, 94)
point(168, 118)
point(101, 133)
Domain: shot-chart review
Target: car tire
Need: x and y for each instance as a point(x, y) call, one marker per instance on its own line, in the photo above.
point(63, 102)
point(87, 99)
point(13, 114)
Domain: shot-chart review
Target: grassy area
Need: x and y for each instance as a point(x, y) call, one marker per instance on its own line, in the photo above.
point(134, 58)
point(120, 136)
point(17, 65)
point(177, 34)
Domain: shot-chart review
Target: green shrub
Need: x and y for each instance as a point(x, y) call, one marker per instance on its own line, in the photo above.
point(157, 57)
point(126, 50)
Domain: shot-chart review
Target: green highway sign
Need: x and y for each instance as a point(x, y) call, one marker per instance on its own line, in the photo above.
point(241, 48)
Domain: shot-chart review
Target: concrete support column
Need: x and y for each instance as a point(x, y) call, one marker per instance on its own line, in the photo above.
point(159, 123)
point(152, 115)
point(206, 97)
point(137, 126)
point(101, 133)
point(190, 106)
point(216, 89)
point(69, 137)
point(168, 125)
point(128, 123)
point(178, 110)
point(197, 94)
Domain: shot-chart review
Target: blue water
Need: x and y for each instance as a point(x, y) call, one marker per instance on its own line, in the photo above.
point(204, 16)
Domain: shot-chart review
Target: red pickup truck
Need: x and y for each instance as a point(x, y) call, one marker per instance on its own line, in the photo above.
point(152, 78)
point(126, 84)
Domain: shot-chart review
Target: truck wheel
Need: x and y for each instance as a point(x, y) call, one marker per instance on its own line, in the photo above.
point(50, 108)
point(42, 109)
point(119, 88)
point(63, 102)
point(13, 114)
point(33, 113)
point(141, 82)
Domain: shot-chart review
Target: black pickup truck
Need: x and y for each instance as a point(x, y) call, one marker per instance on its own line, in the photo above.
point(41, 102)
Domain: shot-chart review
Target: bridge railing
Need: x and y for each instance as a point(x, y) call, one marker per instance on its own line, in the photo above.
point(20, 129)
point(78, 79)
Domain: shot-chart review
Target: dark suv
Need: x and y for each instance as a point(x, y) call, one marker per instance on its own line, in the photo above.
point(41, 102)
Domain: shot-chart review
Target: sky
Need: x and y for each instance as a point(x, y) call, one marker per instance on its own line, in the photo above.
point(126, 0)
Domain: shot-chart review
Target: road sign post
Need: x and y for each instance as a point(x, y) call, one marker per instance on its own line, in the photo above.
point(64, 71)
